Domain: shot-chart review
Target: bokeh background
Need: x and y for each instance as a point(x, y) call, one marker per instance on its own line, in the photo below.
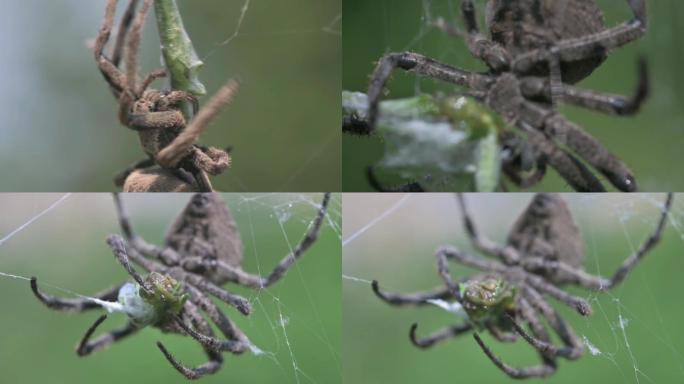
point(66, 247)
point(648, 142)
point(398, 251)
point(60, 130)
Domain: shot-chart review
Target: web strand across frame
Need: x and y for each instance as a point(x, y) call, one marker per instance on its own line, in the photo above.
point(287, 327)
point(630, 324)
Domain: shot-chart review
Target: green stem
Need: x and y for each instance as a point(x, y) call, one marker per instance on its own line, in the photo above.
point(180, 58)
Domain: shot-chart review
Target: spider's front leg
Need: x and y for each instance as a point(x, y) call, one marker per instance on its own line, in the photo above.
point(78, 305)
point(507, 254)
point(422, 66)
point(109, 69)
point(416, 298)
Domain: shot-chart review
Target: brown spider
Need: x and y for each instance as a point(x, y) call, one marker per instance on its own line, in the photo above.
point(166, 137)
point(536, 50)
point(544, 251)
point(202, 251)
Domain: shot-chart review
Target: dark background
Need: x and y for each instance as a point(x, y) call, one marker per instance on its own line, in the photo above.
point(650, 143)
point(60, 130)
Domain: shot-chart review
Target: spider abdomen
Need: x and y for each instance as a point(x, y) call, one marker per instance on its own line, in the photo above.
point(525, 25)
point(546, 230)
point(206, 229)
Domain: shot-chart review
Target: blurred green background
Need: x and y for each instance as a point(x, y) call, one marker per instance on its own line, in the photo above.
point(398, 251)
point(66, 247)
point(646, 143)
point(60, 130)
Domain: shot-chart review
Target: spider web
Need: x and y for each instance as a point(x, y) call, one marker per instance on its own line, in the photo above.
point(294, 325)
point(634, 334)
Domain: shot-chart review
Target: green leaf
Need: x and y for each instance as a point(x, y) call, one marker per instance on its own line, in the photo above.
point(179, 55)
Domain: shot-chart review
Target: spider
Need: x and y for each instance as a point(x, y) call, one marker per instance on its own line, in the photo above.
point(537, 50)
point(202, 251)
point(166, 137)
point(543, 252)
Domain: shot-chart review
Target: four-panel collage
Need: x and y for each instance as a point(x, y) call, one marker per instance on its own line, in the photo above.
point(341, 191)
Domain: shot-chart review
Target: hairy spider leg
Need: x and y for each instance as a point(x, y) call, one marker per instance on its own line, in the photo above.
point(215, 358)
point(494, 55)
point(589, 46)
point(600, 283)
point(535, 87)
point(87, 346)
point(420, 65)
point(437, 336)
point(240, 277)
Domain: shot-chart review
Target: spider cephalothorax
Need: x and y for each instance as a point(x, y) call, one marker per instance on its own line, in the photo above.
point(202, 251)
point(536, 50)
point(544, 251)
point(165, 135)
